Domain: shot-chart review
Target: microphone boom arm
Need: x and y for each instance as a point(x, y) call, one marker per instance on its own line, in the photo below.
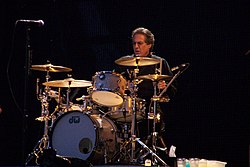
point(181, 69)
point(169, 83)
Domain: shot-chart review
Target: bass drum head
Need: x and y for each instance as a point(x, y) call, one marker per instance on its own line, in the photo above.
point(74, 135)
point(91, 138)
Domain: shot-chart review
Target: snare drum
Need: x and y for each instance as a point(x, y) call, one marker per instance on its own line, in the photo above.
point(123, 113)
point(87, 137)
point(108, 88)
point(72, 107)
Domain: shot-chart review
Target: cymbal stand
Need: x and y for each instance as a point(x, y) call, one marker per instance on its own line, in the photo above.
point(67, 98)
point(58, 108)
point(86, 104)
point(133, 126)
point(154, 155)
point(154, 133)
point(154, 136)
point(133, 132)
point(155, 99)
point(43, 143)
point(132, 139)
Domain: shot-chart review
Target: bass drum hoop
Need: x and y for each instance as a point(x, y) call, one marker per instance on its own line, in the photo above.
point(93, 153)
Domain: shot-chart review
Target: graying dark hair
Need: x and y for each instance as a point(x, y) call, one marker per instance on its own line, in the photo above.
point(148, 34)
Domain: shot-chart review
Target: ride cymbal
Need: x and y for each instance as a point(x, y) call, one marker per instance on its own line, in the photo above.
point(136, 61)
point(50, 68)
point(155, 77)
point(69, 82)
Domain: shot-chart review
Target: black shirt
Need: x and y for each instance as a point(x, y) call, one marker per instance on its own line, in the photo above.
point(145, 88)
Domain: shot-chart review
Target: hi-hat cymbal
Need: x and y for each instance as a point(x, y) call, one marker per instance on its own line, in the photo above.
point(69, 82)
point(136, 61)
point(155, 77)
point(162, 99)
point(50, 68)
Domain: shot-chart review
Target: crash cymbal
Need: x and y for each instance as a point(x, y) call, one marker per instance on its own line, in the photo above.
point(69, 82)
point(155, 77)
point(50, 68)
point(136, 61)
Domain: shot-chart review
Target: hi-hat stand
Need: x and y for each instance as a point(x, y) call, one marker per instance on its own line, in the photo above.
point(155, 137)
point(133, 139)
point(156, 99)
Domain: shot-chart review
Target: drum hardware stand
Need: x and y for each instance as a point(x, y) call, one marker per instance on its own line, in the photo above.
point(43, 143)
point(67, 97)
point(132, 140)
point(86, 103)
point(155, 99)
point(133, 133)
point(154, 155)
point(154, 136)
point(133, 126)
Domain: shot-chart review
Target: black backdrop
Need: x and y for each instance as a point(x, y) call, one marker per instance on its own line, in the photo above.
point(208, 117)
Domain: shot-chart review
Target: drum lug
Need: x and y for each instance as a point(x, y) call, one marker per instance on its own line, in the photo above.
point(113, 131)
point(102, 76)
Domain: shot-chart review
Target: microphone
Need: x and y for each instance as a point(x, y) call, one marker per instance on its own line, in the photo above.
point(181, 67)
point(38, 23)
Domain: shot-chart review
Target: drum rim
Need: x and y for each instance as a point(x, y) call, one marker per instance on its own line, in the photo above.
point(108, 72)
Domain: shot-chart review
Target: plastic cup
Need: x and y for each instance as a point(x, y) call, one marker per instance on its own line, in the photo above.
point(202, 163)
point(213, 163)
point(181, 162)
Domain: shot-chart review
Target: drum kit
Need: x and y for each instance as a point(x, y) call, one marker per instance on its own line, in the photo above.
point(100, 130)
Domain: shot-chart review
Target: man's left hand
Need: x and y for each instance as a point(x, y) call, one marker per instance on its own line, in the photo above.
point(161, 84)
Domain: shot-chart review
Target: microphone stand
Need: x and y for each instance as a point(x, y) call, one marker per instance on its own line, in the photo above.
point(181, 68)
point(169, 83)
point(28, 58)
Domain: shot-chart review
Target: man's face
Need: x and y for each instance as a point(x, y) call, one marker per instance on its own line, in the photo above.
point(139, 45)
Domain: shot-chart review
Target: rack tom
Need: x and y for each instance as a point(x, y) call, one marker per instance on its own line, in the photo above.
point(108, 88)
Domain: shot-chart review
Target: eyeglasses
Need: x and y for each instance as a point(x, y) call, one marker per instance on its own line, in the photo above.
point(138, 43)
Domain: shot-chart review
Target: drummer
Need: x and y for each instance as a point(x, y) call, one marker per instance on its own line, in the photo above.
point(143, 43)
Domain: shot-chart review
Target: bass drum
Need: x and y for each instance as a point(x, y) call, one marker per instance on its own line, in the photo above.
point(86, 137)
